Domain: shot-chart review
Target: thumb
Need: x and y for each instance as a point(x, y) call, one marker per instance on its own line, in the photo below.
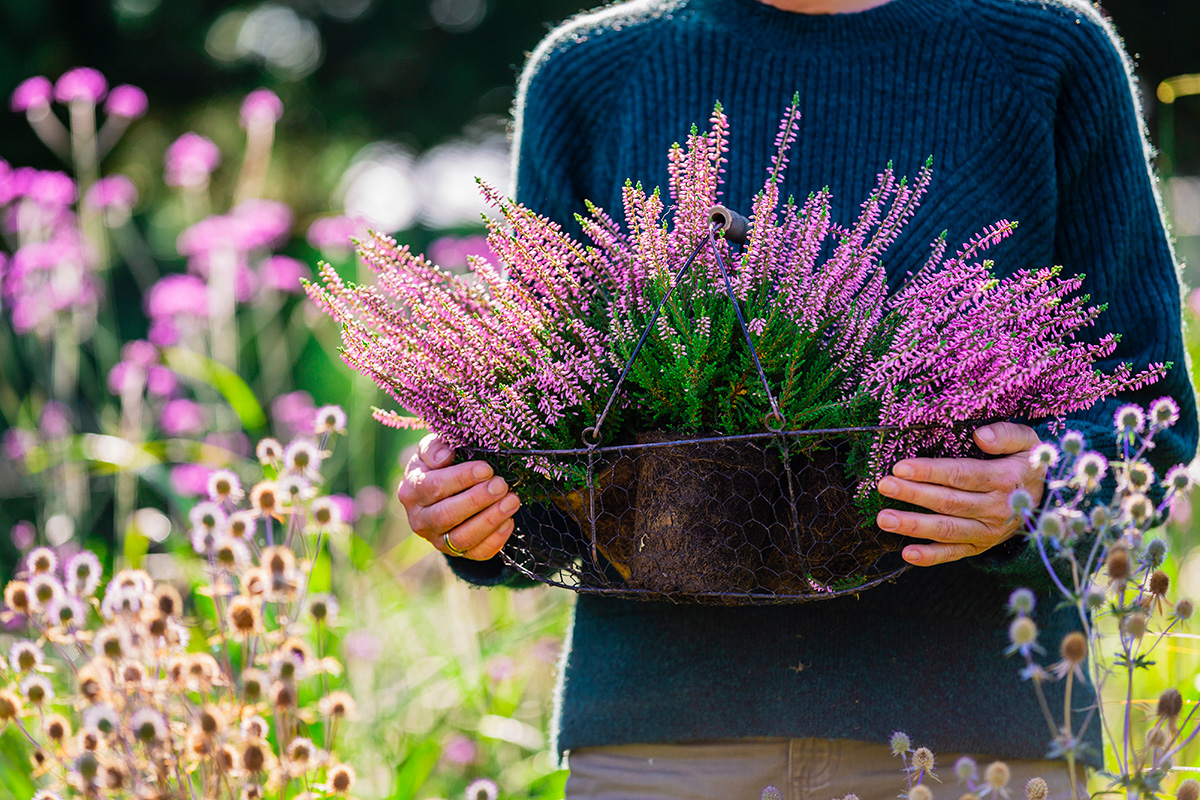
point(1002, 438)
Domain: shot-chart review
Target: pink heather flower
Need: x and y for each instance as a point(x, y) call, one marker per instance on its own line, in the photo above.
point(161, 381)
point(51, 189)
point(55, 421)
point(190, 480)
point(460, 750)
point(140, 352)
point(452, 252)
point(182, 417)
point(334, 233)
point(163, 332)
point(190, 160)
point(261, 223)
point(125, 376)
point(294, 413)
point(126, 101)
point(23, 534)
point(173, 295)
point(234, 442)
point(17, 442)
point(82, 83)
point(35, 92)
point(283, 274)
point(115, 192)
point(261, 107)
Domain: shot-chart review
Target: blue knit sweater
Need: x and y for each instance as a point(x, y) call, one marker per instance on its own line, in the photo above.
point(1027, 110)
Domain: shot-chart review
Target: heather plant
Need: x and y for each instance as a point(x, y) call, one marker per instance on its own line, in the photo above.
point(141, 690)
point(1097, 534)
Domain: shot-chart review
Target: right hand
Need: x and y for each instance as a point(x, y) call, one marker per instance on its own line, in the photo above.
point(467, 502)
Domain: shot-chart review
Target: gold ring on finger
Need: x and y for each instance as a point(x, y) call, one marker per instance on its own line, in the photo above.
point(450, 546)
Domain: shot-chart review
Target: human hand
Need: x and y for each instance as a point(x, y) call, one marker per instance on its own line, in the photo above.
point(969, 496)
point(461, 506)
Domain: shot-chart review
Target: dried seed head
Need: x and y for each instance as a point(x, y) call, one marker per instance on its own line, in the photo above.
point(1072, 443)
point(254, 685)
point(283, 694)
point(482, 789)
point(1156, 551)
point(771, 793)
point(922, 760)
point(1160, 582)
point(114, 776)
point(1170, 703)
point(158, 626)
point(1094, 597)
point(264, 497)
point(37, 690)
point(341, 778)
point(1139, 507)
point(134, 675)
point(91, 682)
point(1183, 610)
point(1074, 648)
point(301, 751)
point(900, 743)
point(1020, 501)
point(1022, 632)
point(997, 774)
point(330, 419)
point(212, 720)
point(10, 706)
point(269, 451)
point(110, 643)
point(88, 739)
point(87, 765)
point(16, 596)
point(255, 727)
point(1036, 789)
point(46, 794)
point(278, 560)
point(920, 792)
point(25, 656)
point(323, 608)
point(1188, 790)
point(254, 756)
point(57, 728)
point(326, 513)
point(41, 560)
point(965, 768)
point(243, 615)
point(1134, 625)
point(101, 718)
point(1117, 563)
point(225, 758)
point(337, 704)
point(167, 599)
point(1022, 601)
point(148, 726)
point(1156, 738)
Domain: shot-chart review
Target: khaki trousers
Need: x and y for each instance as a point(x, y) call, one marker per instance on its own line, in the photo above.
point(801, 769)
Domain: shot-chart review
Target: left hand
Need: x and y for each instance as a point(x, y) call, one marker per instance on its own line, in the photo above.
point(969, 496)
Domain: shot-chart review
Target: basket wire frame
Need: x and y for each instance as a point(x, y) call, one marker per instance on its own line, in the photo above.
point(759, 518)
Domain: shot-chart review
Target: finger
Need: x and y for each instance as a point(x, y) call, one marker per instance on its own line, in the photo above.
point(943, 500)
point(477, 533)
point(448, 514)
point(928, 555)
point(427, 487)
point(492, 545)
point(434, 451)
point(1002, 438)
point(967, 474)
point(936, 527)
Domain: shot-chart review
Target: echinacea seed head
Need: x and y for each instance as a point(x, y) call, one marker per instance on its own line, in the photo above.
point(965, 768)
point(1036, 789)
point(1074, 647)
point(997, 774)
point(1170, 703)
point(920, 792)
point(900, 743)
point(1188, 790)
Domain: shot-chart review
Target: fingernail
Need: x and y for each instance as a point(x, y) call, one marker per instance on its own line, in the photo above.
point(509, 504)
point(441, 456)
point(497, 486)
point(888, 486)
point(912, 555)
point(481, 471)
point(986, 435)
point(888, 521)
point(903, 470)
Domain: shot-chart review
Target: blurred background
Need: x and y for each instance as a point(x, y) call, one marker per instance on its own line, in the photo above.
point(388, 110)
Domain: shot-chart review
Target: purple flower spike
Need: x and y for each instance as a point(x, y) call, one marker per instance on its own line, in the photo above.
point(35, 92)
point(190, 160)
point(116, 192)
point(261, 107)
point(334, 233)
point(82, 83)
point(126, 101)
point(283, 274)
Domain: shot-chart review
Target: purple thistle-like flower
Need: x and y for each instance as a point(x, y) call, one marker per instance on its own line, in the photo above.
point(80, 84)
point(173, 295)
point(189, 161)
point(114, 192)
point(32, 93)
point(126, 101)
point(283, 274)
point(182, 417)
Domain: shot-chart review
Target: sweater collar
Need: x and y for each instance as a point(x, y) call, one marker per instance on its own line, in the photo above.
point(758, 21)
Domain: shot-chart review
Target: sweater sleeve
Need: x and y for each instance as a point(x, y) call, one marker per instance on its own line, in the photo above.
point(1110, 228)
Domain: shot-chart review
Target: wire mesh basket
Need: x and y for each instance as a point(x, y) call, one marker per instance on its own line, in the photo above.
point(767, 517)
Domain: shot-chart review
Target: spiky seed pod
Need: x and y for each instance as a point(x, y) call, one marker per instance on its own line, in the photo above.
point(997, 775)
point(242, 525)
point(177, 669)
point(25, 656)
point(199, 744)
point(1117, 563)
point(110, 643)
point(278, 560)
point(254, 685)
point(37, 690)
point(283, 695)
point(323, 608)
point(920, 792)
point(224, 485)
point(10, 706)
point(254, 756)
point(269, 451)
point(203, 669)
point(341, 778)
point(1170, 704)
point(168, 600)
point(1188, 790)
point(158, 626)
point(1156, 738)
point(922, 760)
point(113, 776)
point(243, 615)
point(148, 726)
point(88, 740)
point(482, 789)
point(1022, 601)
point(301, 752)
point(1160, 583)
point(330, 419)
point(1133, 625)
point(225, 758)
point(134, 676)
point(88, 766)
point(1022, 632)
point(899, 743)
point(41, 560)
point(1036, 789)
point(255, 727)
point(102, 718)
point(16, 597)
point(965, 768)
point(1074, 647)
point(264, 497)
point(91, 682)
point(1183, 610)
point(256, 582)
point(57, 728)
point(46, 794)
point(212, 720)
